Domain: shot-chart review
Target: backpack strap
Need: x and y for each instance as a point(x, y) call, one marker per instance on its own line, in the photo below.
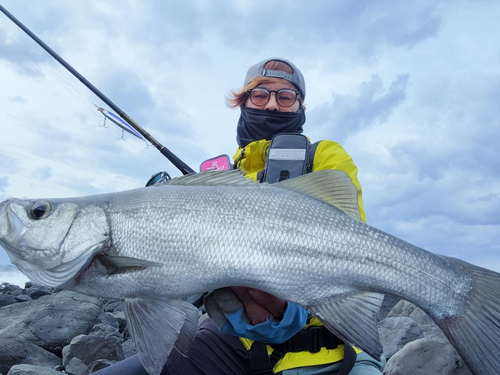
point(349, 360)
point(310, 339)
point(260, 363)
point(312, 152)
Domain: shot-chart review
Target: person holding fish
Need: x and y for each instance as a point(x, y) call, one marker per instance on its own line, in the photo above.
point(272, 149)
point(250, 331)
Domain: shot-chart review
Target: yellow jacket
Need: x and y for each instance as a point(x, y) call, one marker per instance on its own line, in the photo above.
point(329, 155)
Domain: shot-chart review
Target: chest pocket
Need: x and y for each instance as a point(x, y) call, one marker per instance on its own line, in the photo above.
point(288, 156)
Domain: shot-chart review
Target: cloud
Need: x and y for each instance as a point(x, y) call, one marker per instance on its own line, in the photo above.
point(4, 182)
point(18, 59)
point(244, 26)
point(8, 164)
point(42, 173)
point(347, 114)
point(17, 99)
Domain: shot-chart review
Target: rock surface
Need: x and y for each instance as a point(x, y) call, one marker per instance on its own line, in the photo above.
point(37, 291)
point(51, 321)
point(16, 350)
point(32, 370)
point(91, 348)
point(14, 290)
point(129, 348)
point(426, 357)
point(48, 331)
point(7, 299)
point(396, 332)
point(429, 329)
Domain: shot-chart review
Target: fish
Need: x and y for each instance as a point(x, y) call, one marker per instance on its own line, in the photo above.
point(300, 239)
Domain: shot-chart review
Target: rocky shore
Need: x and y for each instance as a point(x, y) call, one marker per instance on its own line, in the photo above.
point(47, 331)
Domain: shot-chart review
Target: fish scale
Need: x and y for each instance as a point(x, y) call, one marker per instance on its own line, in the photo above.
point(335, 234)
point(300, 240)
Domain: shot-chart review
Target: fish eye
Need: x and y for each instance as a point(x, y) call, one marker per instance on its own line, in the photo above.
point(40, 210)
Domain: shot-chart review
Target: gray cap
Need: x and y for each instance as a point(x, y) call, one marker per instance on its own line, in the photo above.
point(296, 77)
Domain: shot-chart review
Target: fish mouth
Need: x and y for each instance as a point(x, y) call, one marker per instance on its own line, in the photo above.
point(11, 226)
point(60, 274)
point(4, 222)
point(5, 225)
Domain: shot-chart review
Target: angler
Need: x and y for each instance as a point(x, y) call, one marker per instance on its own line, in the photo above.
point(272, 148)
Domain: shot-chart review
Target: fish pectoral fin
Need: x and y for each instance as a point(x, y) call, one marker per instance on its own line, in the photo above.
point(331, 186)
point(118, 264)
point(354, 319)
point(157, 326)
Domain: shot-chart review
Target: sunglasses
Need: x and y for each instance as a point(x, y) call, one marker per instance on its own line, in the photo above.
point(260, 96)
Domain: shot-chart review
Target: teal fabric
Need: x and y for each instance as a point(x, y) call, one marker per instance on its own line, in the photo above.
point(365, 365)
point(270, 331)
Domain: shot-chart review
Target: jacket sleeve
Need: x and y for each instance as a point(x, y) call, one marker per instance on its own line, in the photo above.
point(331, 155)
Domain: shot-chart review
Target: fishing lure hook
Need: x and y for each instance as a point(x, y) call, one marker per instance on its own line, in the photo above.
point(122, 136)
point(104, 125)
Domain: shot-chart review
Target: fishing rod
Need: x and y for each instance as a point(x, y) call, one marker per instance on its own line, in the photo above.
point(183, 167)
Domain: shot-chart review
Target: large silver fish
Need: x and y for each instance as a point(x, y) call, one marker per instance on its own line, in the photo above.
point(300, 240)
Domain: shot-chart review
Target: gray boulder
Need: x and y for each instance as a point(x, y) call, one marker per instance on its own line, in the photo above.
point(99, 365)
point(429, 329)
point(426, 357)
point(387, 304)
point(23, 298)
point(129, 348)
point(109, 319)
point(16, 351)
point(76, 367)
point(32, 370)
point(105, 330)
point(92, 348)
point(396, 332)
point(107, 325)
point(37, 291)
point(13, 290)
point(113, 305)
point(120, 317)
point(51, 321)
point(7, 299)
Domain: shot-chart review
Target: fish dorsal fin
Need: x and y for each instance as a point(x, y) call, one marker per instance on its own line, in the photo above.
point(157, 326)
point(212, 178)
point(354, 319)
point(331, 186)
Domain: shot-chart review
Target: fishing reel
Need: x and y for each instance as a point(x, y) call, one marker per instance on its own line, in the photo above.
point(158, 179)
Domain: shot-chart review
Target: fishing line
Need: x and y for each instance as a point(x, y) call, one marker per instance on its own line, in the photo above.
point(65, 84)
point(53, 74)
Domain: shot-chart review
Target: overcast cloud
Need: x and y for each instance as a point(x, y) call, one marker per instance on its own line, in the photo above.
point(410, 89)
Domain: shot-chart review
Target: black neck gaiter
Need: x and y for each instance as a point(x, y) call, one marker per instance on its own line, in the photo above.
point(255, 124)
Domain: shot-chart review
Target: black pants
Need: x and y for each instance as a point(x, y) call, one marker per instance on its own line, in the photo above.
point(212, 353)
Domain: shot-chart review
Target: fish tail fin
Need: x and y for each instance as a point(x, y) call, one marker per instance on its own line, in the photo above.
point(476, 332)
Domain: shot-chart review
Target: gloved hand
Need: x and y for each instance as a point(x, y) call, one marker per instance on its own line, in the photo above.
point(250, 313)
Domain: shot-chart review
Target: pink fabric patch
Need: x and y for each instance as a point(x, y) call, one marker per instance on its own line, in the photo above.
point(218, 163)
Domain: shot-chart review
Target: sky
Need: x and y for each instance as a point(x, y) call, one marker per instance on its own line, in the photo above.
point(411, 90)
